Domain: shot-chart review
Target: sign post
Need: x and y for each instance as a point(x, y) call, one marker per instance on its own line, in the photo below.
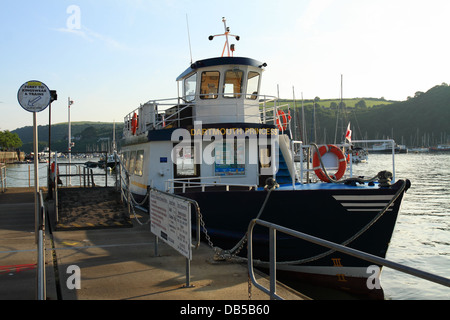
point(34, 96)
point(170, 220)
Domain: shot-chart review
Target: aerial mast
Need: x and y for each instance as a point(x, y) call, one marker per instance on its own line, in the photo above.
point(226, 34)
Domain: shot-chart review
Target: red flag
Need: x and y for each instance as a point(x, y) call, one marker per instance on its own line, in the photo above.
point(348, 134)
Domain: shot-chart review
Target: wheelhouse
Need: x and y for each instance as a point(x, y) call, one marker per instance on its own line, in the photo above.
point(223, 89)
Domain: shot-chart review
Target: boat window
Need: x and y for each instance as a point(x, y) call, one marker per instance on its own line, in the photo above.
point(252, 85)
point(264, 156)
point(209, 87)
point(184, 162)
point(139, 165)
point(132, 162)
point(229, 159)
point(232, 87)
point(190, 85)
point(124, 159)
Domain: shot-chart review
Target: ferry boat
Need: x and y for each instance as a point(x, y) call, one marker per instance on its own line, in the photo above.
point(224, 144)
point(386, 148)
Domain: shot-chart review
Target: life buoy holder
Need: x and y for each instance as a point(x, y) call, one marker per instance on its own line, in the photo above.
point(341, 159)
point(134, 123)
point(281, 126)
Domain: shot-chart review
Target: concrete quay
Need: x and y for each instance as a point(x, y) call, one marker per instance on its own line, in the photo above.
point(112, 263)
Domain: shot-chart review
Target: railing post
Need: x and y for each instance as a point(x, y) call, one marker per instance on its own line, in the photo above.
point(273, 262)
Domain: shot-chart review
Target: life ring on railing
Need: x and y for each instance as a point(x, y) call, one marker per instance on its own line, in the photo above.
point(134, 124)
point(281, 126)
point(341, 159)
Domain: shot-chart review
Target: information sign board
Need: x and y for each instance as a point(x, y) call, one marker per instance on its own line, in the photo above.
point(34, 96)
point(170, 220)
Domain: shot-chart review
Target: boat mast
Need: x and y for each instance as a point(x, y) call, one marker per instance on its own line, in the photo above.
point(338, 111)
point(226, 34)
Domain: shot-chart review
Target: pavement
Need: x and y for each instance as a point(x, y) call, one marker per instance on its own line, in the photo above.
point(111, 263)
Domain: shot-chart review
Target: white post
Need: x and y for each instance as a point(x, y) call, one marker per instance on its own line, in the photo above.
point(36, 177)
point(69, 149)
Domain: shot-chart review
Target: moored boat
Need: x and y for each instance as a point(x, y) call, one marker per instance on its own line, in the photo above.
point(228, 147)
point(358, 154)
point(440, 148)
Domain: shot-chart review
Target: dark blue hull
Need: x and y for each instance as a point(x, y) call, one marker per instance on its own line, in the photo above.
point(328, 211)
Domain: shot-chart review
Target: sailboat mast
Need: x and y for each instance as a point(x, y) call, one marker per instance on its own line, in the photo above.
point(339, 109)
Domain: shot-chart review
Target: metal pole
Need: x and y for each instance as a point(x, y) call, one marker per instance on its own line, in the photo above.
point(56, 186)
point(36, 178)
point(41, 285)
point(49, 170)
point(70, 141)
point(273, 262)
point(188, 274)
point(156, 246)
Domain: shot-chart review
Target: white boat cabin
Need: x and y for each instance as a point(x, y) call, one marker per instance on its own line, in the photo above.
point(168, 143)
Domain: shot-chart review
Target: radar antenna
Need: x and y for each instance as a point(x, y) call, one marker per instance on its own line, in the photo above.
point(226, 34)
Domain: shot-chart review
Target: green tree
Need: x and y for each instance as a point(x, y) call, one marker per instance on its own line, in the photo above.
point(361, 104)
point(9, 140)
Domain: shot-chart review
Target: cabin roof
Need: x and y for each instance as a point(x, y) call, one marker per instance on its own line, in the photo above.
point(220, 61)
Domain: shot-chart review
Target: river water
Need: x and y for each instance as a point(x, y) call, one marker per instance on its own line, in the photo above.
point(422, 235)
point(22, 175)
point(421, 238)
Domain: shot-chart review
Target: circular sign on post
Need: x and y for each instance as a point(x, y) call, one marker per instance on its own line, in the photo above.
point(34, 96)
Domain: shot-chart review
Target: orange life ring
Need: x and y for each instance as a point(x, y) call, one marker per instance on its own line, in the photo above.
point(341, 159)
point(284, 118)
point(134, 124)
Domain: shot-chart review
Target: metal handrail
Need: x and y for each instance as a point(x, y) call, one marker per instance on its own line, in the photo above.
point(3, 177)
point(337, 247)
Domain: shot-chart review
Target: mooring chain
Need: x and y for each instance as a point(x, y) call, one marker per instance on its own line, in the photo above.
point(228, 255)
point(221, 254)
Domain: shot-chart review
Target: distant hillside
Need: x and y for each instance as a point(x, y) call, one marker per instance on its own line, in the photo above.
point(87, 136)
point(422, 120)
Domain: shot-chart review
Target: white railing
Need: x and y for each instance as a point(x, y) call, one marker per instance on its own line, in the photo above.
point(305, 158)
point(162, 113)
point(184, 184)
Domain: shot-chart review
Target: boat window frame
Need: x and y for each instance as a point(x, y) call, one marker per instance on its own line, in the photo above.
point(187, 83)
point(252, 95)
point(132, 162)
point(229, 158)
point(175, 156)
point(234, 94)
point(203, 81)
point(139, 163)
point(124, 158)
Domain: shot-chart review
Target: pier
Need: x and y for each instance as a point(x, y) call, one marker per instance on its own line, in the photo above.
point(111, 262)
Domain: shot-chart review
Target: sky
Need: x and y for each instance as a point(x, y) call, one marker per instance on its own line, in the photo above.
point(110, 56)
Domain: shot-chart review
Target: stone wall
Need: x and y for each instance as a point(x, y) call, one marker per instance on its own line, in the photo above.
point(11, 156)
